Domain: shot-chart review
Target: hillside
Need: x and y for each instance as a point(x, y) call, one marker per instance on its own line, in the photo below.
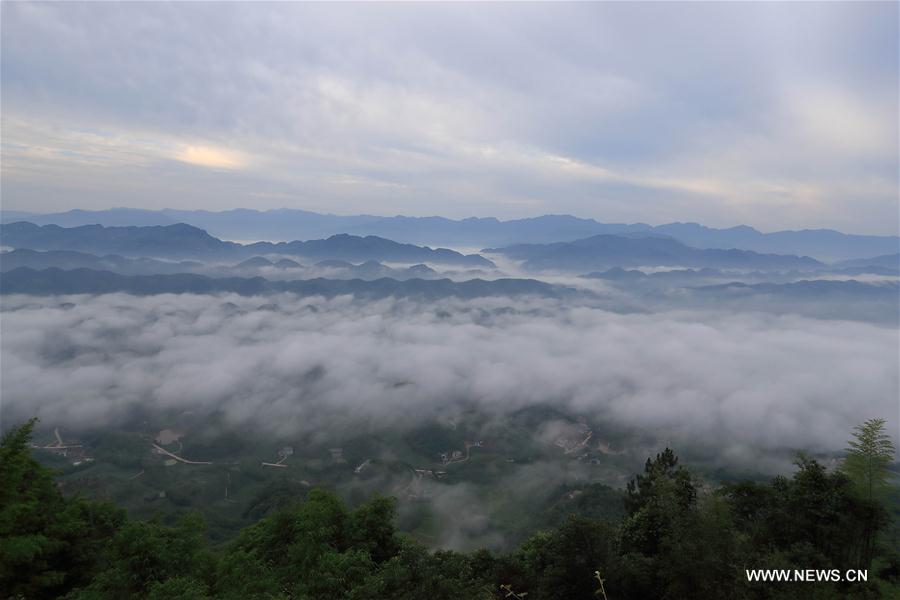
point(308, 543)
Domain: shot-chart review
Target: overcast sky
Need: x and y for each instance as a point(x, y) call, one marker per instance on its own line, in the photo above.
point(772, 114)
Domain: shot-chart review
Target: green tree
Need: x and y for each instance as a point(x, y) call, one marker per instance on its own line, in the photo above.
point(560, 563)
point(814, 519)
point(661, 502)
point(867, 464)
point(677, 541)
point(48, 543)
point(317, 548)
point(144, 554)
point(663, 471)
point(869, 457)
point(178, 588)
point(700, 557)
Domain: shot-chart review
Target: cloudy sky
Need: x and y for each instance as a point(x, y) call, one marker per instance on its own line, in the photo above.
point(775, 115)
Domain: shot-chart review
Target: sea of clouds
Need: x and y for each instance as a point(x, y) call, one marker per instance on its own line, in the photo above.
point(740, 385)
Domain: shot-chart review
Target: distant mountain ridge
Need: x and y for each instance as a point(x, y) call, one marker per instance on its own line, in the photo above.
point(344, 246)
point(258, 265)
point(293, 224)
point(181, 241)
point(89, 281)
point(606, 251)
point(807, 290)
point(160, 241)
point(69, 259)
point(891, 261)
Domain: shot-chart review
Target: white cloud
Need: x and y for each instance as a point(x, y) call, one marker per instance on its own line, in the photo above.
point(747, 385)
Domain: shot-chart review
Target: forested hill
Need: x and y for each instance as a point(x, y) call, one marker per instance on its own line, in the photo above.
point(678, 540)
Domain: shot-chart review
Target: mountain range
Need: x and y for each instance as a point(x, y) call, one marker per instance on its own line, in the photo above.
point(258, 265)
point(292, 224)
point(161, 249)
point(828, 299)
point(807, 290)
point(605, 251)
point(53, 281)
point(69, 259)
point(707, 276)
point(181, 241)
point(889, 261)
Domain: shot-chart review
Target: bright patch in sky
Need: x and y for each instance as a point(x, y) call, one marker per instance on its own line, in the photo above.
point(207, 156)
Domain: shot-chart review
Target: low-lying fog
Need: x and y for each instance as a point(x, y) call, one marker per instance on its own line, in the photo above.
point(739, 387)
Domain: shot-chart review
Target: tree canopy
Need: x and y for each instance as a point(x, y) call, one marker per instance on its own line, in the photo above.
point(680, 538)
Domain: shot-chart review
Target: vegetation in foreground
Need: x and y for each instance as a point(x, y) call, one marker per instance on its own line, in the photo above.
point(678, 540)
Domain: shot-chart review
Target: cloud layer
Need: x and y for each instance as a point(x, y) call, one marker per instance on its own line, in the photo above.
point(776, 115)
point(743, 384)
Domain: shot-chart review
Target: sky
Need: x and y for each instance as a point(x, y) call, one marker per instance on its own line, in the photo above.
point(776, 115)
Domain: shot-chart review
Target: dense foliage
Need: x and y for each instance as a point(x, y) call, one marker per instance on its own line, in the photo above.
point(679, 539)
